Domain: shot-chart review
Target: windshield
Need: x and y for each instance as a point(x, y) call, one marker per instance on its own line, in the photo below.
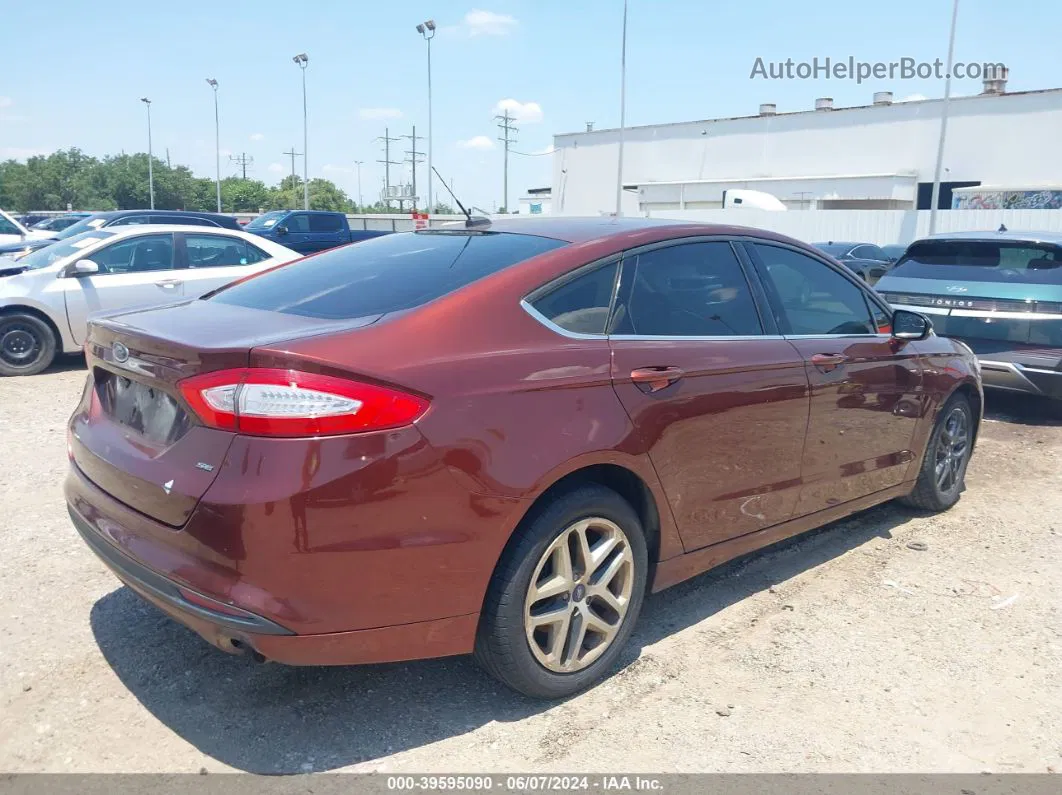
point(982, 261)
point(384, 274)
point(84, 225)
point(43, 257)
point(834, 249)
point(266, 220)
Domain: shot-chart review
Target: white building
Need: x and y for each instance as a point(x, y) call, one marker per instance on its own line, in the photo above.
point(879, 156)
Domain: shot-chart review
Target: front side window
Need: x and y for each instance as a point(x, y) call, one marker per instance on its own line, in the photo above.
point(688, 290)
point(815, 299)
point(298, 222)
point(582, 304)
point(217, 251)
point(8, 228)
point(137, 255)
point(325, 223)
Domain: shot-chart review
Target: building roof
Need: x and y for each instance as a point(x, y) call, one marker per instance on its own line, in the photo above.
point(810, 111)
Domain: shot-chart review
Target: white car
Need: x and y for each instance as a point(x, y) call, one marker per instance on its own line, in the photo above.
point(47, 296)
point(11, 231)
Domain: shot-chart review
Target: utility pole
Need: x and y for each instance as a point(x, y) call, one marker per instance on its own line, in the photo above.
point(413, 161)
point(388, 162)
point(505, 125)
point(244, 160)
point(167, 157)
point(293, 154)
point(935, 199)
point(361, 204)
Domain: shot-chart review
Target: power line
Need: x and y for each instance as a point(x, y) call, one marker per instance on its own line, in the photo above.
point(388, 162)
point(505, 125)
point(242, 161)
point(413, 161)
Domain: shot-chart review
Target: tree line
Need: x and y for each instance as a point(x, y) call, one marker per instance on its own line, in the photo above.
point(71, 179)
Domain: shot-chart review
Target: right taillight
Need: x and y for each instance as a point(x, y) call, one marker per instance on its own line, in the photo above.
point(274, 402)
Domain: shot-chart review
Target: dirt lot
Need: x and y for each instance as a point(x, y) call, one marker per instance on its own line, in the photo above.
point(848, 650)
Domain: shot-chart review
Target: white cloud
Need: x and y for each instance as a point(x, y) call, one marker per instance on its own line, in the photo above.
point(376, 114)
point(488, 23)
point(329, 168)
point(914, 98)
point(526, 112)
point(6, 102)
point(479, 142)
point(257, 137)
point(276, 168)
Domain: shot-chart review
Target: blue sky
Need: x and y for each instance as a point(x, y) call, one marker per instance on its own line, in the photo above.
point(74, 72)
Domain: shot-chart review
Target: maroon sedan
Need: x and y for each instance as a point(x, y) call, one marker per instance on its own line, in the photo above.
point(497, 439)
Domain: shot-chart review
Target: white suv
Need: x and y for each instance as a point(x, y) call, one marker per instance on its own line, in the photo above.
point(47, 296)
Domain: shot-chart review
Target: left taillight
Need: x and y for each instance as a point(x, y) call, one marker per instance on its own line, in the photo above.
point(275, 402)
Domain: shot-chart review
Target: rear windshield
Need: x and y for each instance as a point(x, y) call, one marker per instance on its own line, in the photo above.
point(982, 261)
point(385, 274)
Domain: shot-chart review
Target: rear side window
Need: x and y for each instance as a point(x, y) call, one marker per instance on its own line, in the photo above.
point(385, 274)
point(982, 261)
point(325, 223)
point(581, 305)
point(688, 290)
point(299, 222)
point(219, 251)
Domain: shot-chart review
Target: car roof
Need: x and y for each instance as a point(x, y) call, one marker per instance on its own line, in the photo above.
point(126, 231)
point(124, 213)
point(840, 243)
point(575, 229)
point(1023, 237)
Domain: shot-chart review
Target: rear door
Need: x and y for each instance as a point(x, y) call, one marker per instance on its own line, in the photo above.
point(216, 260)
point(135, 271)
point(329, 230)
point(865, 384)
point(719, 397)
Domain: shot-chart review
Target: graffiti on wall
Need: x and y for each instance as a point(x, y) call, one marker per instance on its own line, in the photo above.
point(1008, 200)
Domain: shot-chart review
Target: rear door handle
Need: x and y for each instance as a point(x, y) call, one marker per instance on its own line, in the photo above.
point(828, 361)
point(653, 379)
point(169, 283)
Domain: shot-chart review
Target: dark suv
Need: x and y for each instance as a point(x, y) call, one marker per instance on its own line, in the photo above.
point(122, 218)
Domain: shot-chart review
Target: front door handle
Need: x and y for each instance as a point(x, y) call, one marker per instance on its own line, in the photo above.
point(653, 379)
point(169, 283)
point(827, 362)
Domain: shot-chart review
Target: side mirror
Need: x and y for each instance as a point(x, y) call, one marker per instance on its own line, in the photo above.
point(908, 325)
point(84, 267)
point(282, 230)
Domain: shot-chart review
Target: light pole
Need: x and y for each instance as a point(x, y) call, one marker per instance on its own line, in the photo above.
point(217, 138)
point(151, 171)
point(943, 122)
point(361, 205)
point(301, 60)
point(623, 114)
point(427, 30)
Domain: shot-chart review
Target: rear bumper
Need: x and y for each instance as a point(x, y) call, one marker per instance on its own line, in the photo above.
point(238, 631)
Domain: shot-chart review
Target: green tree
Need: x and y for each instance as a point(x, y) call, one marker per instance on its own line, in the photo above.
point(244, 196)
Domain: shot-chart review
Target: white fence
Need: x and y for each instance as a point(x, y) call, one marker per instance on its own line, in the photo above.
point(872, 226)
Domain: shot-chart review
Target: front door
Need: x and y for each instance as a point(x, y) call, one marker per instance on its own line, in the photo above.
point(865, 384)
point(719, 398)
point(135, 271)
point(298, 238)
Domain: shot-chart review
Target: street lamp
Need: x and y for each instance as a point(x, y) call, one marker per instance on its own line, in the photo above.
point(935, 196)
point(217, 138)
point(623, 111)
point(301, 60)
point(361, 205)
point(151, 172)
point(427, 30)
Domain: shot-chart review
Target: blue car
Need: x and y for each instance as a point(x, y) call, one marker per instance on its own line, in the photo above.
point(999, 292)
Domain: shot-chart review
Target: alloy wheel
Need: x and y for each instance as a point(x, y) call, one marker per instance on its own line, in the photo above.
point(952, 446)
point(579, 595)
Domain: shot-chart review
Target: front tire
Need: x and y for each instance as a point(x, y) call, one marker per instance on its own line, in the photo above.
point(27, 344)
point(565, 596)
point(942, 477)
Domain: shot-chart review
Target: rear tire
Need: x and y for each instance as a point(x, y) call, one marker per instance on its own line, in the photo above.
point(565, 595)
point(27, 344)
point(942, 477)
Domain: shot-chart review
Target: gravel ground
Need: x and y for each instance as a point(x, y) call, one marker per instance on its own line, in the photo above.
point(853, 649)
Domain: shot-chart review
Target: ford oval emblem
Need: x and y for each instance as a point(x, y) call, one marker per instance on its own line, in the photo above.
point(121, 353)
point(957, 288)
